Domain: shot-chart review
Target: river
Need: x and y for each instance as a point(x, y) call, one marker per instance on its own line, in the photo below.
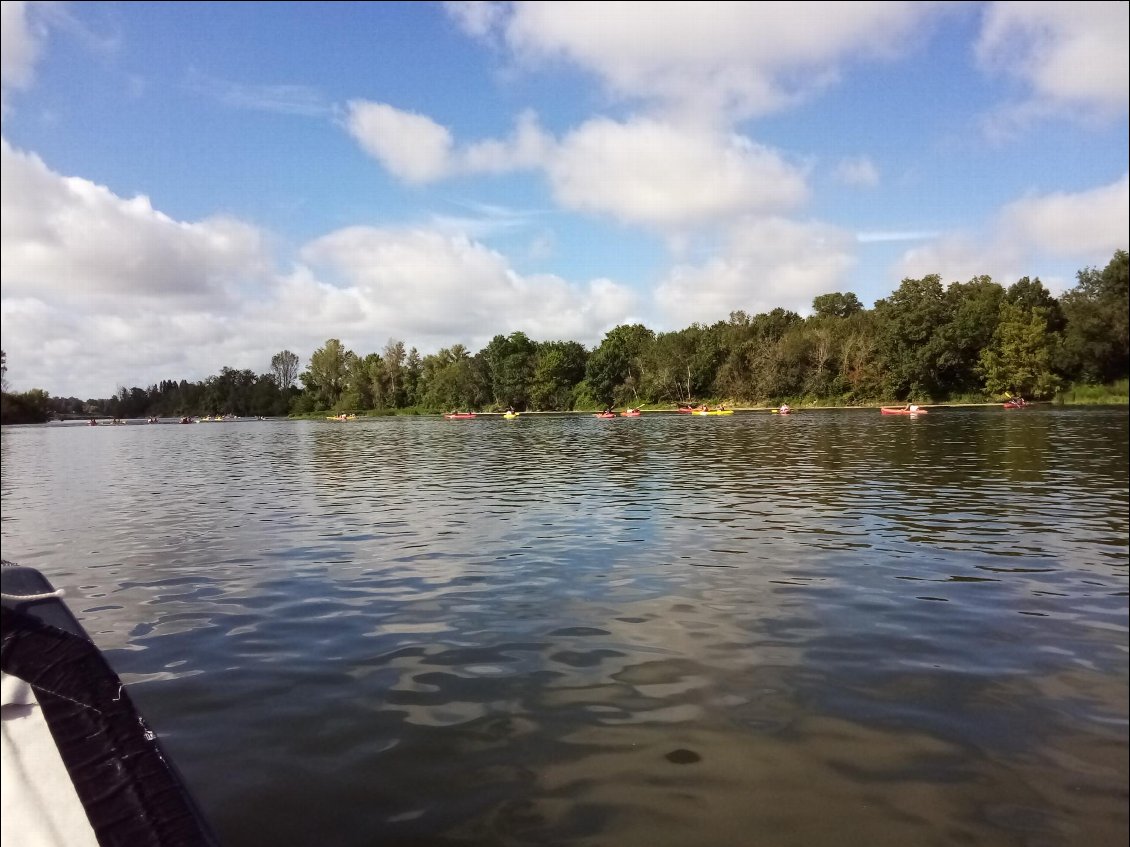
point(831, 628)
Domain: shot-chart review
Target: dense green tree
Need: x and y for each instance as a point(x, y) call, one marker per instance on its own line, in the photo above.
point(325, 376)
point(25, 407)
point(451, 380)
point(907, 322)
point(614, 369)
point(836, 305)
point(1030, 294)
point(1019, 358)
point(972, 311)
point(559, 367)
point(510, 362)
point(1097, 310)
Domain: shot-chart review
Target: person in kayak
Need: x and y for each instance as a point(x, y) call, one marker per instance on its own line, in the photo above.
point(910, 407)
point(784, 410)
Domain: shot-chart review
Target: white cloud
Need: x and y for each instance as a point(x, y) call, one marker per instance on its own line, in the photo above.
point(652, 173)
point(430, 288)
point(645, 172)
point(68, 236)
point(21, 39)
point(413, 147)
point(528, 147)
point(1073, 226)
point(737, 59)
point(770, 263)
point(1060, 230)
point(1072, 56)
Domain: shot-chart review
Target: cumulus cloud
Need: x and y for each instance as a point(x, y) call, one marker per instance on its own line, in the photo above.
point(72, 237)
point(1072, 57)
point(21, 38)
point(1071, 225)
point(413, 147)
point(529, 146)
point(1060, 229)
point(737, 59)
point(652, 173)
point(769, 263)
point(429, 288)
point(644, 171)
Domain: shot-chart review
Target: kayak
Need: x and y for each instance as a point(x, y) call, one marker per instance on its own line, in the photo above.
point(888, 411)
point(605, 415)
point(715, 412)
point(80, 765)
point(630, 414)
point(510, 415)
point(1012, 405)
point(459, 416)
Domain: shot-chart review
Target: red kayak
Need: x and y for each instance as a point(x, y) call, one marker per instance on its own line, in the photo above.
point(631, 413)
point(604, 415)
point(460, 416)
point(889, 411)
point(1011, 405)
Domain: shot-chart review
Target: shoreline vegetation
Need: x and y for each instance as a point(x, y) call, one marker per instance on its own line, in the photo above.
point(928, 343)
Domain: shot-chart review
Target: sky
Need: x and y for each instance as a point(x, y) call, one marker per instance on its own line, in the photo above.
point(188, 185)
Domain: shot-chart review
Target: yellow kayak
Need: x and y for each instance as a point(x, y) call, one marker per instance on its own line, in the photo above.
point(715, 412)
point(510, 415)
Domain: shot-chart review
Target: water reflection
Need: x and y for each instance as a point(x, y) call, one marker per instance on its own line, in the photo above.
point(824, 629)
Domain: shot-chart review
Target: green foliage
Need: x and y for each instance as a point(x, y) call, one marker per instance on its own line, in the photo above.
point(27, 407)
point(326, 376)
point(559, 367)
point(1112, 394)
point(1019, 359)
point(908, 320)
point(510, 364)
point(1097, 310)
point(614, 370)
point(836, 305)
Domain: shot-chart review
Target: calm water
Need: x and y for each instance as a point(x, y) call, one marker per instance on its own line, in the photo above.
point(834, 628)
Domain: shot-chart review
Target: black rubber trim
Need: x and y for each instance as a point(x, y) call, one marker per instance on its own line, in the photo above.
point(132, 792)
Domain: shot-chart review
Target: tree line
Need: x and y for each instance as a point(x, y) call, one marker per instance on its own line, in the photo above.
point(927, 341)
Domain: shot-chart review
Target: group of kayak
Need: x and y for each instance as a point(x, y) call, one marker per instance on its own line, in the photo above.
point(912, 409)
point(703, 409)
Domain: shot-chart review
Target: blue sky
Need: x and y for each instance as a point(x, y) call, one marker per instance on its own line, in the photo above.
point(193, 185)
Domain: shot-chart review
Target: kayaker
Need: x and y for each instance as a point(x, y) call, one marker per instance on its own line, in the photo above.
point(910, 407)
point(784, 410)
